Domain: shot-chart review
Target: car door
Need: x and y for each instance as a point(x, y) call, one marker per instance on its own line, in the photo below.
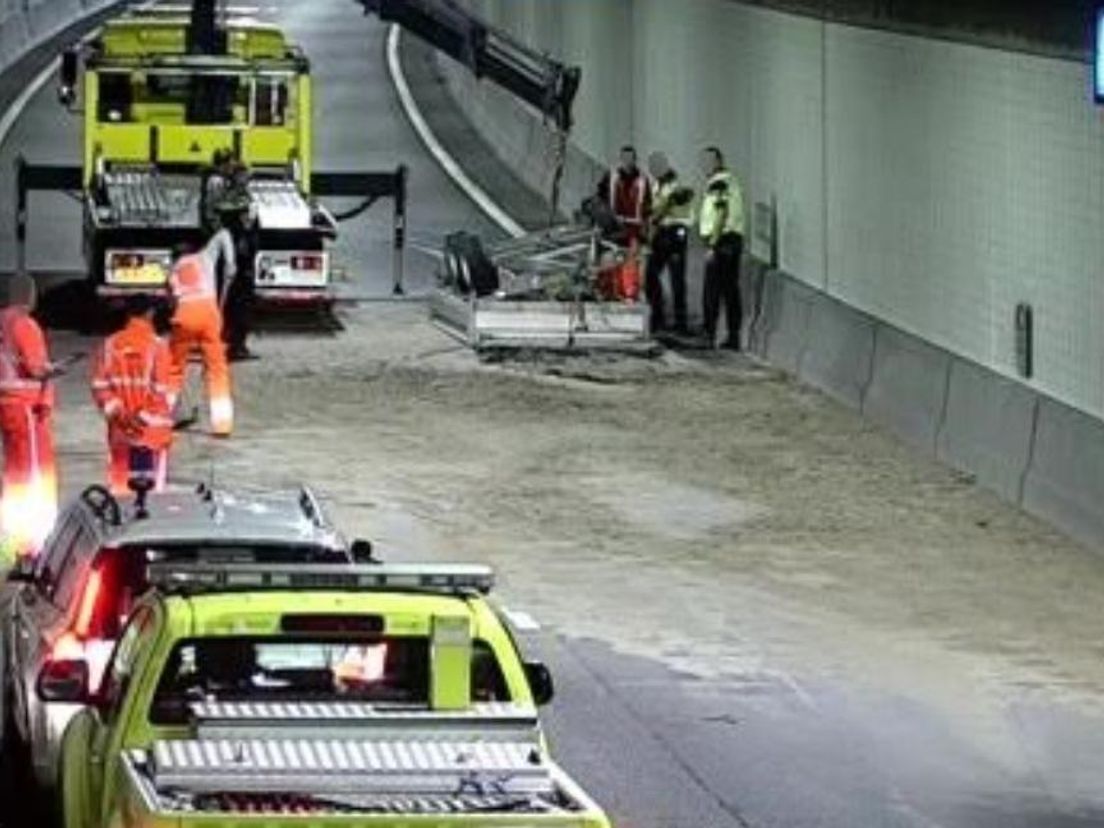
point(119, 708)
point(32, 609)
point(92, 740)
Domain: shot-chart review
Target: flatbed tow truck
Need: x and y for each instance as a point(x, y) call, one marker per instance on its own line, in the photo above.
point(376, 695)
point(162, 89)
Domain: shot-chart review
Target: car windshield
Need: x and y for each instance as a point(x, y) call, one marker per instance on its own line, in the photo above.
point(389, 671)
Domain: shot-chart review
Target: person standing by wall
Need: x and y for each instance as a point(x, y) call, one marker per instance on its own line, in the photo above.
point(28, 508)
point(721, 227)
point(672, 216)
point(628, 192)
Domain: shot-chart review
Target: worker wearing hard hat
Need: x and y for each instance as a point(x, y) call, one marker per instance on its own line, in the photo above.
point(131, 387)
point(28, 508)
point(671, 219)
point(197, 324)
point(721, 226)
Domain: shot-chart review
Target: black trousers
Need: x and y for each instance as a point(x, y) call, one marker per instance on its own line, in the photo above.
point(722, 283)
point(668, 253)
point(238, 313)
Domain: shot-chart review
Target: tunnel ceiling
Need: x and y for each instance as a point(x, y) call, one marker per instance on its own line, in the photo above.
point(1060, 26)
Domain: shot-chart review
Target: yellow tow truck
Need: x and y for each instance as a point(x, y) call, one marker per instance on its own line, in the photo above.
point(166, 90)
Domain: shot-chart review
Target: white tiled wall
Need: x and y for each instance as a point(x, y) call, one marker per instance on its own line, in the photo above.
point(930, 183)
point(962, 181)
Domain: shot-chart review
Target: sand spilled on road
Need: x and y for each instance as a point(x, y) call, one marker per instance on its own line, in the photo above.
point(709, 513)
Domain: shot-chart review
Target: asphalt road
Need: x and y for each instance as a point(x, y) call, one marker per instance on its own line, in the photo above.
point(658, 738)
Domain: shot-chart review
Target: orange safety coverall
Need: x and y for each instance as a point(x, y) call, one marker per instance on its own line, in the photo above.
point(131, 385)
point(28, 509)
point(197, 325)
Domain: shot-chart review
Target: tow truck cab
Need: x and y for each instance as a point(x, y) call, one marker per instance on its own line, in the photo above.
point(155, 114)
point(357, 696)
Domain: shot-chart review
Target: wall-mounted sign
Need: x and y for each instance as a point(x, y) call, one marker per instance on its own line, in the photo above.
point(1098, 57)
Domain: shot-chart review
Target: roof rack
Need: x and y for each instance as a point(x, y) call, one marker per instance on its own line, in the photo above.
point(200, 578)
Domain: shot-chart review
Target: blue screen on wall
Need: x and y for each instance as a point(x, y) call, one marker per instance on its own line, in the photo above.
point(1098, 58)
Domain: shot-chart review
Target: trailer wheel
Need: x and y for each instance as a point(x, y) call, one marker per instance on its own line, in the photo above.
point(476, 272)
point(452, 268)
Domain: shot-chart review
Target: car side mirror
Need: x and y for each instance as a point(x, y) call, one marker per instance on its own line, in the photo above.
point(361, 550)
point(540, 682)
point(67, 77)
point(65, 680)
point(22, 572)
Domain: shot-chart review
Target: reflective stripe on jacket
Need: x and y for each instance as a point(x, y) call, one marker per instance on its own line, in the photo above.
point(722, 208)
point(673, 203)
point(130, 378)
point(23, 359)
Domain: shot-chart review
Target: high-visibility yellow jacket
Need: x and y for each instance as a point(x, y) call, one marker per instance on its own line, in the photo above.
point(673, 202)
point(722, 208)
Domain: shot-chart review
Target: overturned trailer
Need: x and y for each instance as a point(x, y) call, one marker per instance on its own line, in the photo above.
point(554, 289)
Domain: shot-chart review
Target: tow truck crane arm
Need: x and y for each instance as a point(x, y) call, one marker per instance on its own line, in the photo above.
point(489, 53)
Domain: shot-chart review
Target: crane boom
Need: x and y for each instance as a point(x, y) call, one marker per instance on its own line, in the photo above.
point(489, 53)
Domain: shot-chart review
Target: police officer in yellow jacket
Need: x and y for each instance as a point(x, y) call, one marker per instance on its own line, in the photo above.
point(721, 226)
point(671, 219)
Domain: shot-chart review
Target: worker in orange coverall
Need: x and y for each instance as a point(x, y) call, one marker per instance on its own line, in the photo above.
point(28, 501)
point(197, 325)
point(131, 380)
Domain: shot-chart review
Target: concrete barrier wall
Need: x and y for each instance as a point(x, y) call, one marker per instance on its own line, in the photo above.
point(1033, 451)
point(26, 24)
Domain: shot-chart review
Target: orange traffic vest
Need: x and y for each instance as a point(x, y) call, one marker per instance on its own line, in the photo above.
point(131, 377)
point(192, 280)
point(22, 356)
point(628, 197)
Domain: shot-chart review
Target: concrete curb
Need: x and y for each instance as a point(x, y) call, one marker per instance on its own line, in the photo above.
point(988, 428)
point(520, 139)
point(32, 24)
point(908, 387)
point(786, 308)
point(839, 356)
point(450, 165)
point(1065, 480)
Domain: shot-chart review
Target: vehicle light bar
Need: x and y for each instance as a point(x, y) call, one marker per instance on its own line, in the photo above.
point(214, 577)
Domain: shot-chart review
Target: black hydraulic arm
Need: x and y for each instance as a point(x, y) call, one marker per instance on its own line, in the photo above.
point(370, 187)
point(488, 52)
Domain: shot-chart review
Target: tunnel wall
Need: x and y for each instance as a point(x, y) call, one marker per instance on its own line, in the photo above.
point(923, 186)
point(24, 24)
